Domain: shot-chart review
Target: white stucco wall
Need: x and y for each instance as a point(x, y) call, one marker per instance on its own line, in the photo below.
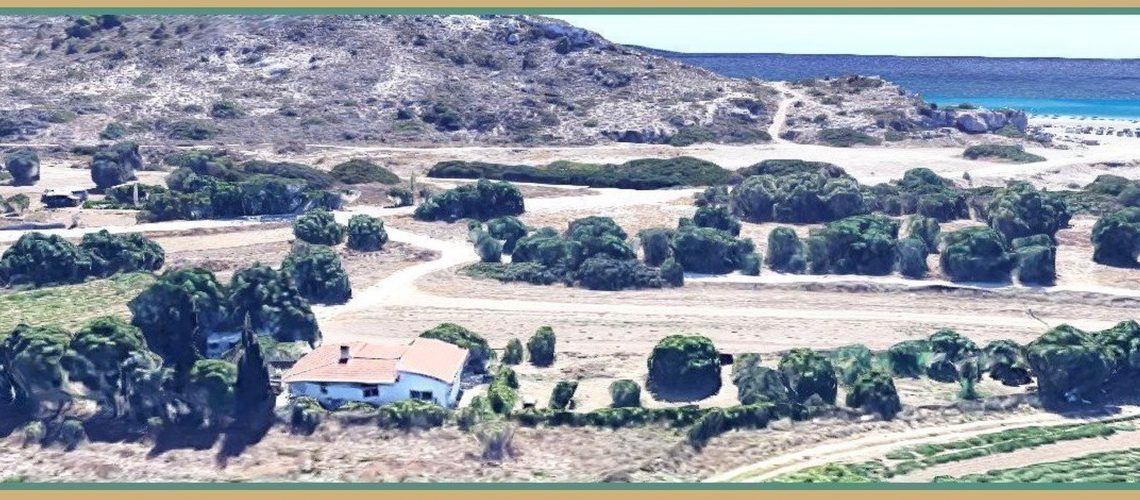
point(444, 394)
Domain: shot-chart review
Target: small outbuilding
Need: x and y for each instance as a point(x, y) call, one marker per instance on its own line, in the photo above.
point(335, 374)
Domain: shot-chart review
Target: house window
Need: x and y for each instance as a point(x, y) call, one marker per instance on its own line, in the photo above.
point(423, 395)
point(371, 391)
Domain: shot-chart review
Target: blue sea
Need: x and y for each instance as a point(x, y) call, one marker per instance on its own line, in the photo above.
point(1068, 87)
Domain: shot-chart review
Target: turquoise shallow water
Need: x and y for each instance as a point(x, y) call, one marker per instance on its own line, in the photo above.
point(1050, 86)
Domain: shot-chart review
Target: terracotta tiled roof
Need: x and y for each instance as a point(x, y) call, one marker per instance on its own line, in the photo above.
point(433, 358)
point(379, 363)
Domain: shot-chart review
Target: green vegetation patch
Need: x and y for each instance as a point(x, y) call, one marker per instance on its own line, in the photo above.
point(1014, 153)
point(646, 173)
point(72, 305)
point(1106, 467)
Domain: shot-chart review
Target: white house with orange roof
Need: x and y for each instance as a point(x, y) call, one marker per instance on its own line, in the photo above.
point(335, 374)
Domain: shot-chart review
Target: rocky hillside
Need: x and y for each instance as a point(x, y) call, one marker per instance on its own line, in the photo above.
point(854, 109)
point(401, 80)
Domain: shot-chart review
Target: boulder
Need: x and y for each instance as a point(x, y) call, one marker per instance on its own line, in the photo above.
point(970, 123)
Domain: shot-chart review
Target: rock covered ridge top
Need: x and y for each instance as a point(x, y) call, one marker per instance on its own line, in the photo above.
point(409, 80)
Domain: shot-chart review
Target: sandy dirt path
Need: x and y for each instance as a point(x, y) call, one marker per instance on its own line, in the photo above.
point(876, 445)
point(781, 115)
point(1020, 458)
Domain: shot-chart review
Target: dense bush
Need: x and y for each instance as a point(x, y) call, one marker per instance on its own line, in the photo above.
point(786, 253)
point(482, 200)
point(115, 165)
point(1036, 260)
point(782, 167)
point(177, 312)
point(758, 384)
point(488, 248)
point(949, 352)
point(863, 244)
point(1014, 153)
point(540, 346)
point(908, 358)
point(210, 389)
point(357, 171)
point(319, 227)
point(808, 373)
point(800, 197)
point(317, 274)
point(479, 352)
point(717, 217)
point(687, 366)
point(40, 259)
point(649, 173)
point(921, 192)
point(874, 391)
point(24, 166)
point(273, 304)
point(513, 353)
point(412, 414)
point(509, 229)
point(912, 258)
point(672, 273)
point(1070, 365)
point(1020, 210)
point(925, 229)
point(1116, 238)
point(707, 250)
point(625, 393)
point(121, 253)
point(1005, 361)
point(846, 137)
point(31, 358)
point(502, 394)
point(655, 245)
point(366, 233)
point(976, 254)
point(606, 273)
point(562, 396)
point(850, 361)
point(750, 264)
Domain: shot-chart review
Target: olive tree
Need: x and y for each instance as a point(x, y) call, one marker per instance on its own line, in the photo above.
point(1020, 210)
point(96, 357)
point(121, 253)
point(273, 304)
point(1070, 365)
point(625, 393)
point(874, 391)
point(976, 254)
point(115, 165)
point(562, 397)
point(1036, 260)
point(862, 244)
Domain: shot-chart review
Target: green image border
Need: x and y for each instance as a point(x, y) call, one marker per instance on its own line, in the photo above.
point(548, 486)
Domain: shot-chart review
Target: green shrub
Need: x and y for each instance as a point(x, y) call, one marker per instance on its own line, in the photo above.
point(482, 200)
point(1014, 153)
point(317, 274)
point(655, 245)
point(710, 425)
point(305, 415)
point(708, 250)
point(757, 384)
point(808, 374)
point(625, 393)
point(357, 171)
point(649, 173)
point(39, 259)
point(471, 415)
point(863, 244)
point(412, 414)
point(717, 217)
point(750, 264)
point(366, 233)
point(540, 346)
point(907, 358)
point(672, 273)
point(513, 354)
point(1020, 210)
point(1116, 238)
point(319, 227)
point(687, 366)
point(502, 394)
point(72, 434)
point(1069, 364)
point(925, 229)
point(912, 258)
point(116, 164)
point(851, 361)
point(509, 229)
point(496, 437)
point(33, 433)
point(874, 391)
point(976, 254)
point(846, 137)
point(121, 253)
point(1036, 260)
point(1006, 362)
point(192, 130)
point(804, 197)
point(562, 396)
point(786, 253)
